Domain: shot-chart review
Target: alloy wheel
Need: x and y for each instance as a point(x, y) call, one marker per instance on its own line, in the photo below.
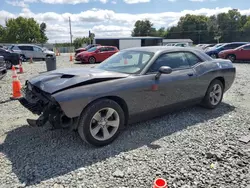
point(104, 124)
point(215, 95)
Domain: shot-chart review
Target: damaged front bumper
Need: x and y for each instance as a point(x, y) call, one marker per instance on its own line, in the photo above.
point(41, 103)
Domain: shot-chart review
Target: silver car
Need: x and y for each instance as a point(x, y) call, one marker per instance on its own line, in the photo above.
point(28, 51)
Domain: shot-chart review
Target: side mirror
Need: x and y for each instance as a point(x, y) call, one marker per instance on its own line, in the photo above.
point(97, 51)
point(163, 70)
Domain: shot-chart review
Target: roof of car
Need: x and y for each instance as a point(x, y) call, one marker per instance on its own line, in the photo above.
point(161, 48)
point(106, 46)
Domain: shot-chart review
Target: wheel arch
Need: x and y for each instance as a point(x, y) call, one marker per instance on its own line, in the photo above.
point(231, 55)
point(220, 78)
point(121, 102)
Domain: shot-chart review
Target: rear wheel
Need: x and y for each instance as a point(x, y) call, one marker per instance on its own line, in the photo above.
point(101, 122)
point(92, 60)
point(231, 58)
point(8, 64)
point(213, 95)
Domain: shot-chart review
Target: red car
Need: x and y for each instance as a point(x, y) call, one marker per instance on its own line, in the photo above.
point(96, 54)
point(240, 53)
point(79, 50)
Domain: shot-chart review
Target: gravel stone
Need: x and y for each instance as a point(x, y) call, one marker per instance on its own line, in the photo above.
point(179, 147)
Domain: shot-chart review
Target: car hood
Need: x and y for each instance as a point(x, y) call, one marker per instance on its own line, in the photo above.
point(84, 53)
point(227, 51)
point(80, 49)
point(49, 52)
point(61, 79)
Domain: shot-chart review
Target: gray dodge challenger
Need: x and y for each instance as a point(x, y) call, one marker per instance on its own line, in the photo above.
point(133, 85)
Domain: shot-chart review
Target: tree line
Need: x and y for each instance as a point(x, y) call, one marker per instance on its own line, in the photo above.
point(23, 30)
point(224, 27)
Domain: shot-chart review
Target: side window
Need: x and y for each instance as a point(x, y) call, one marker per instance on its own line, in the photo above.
point(26, 48)
point(247, 47)
point(192, 59)
point(14, 48)
point(36, 49)
point(175, 60)
point(102, 49)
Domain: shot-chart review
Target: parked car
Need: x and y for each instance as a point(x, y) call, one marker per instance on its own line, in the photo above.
point(133, 85)
point(214, 47)
point(182, 44)
point(213, 52)
point(10, 58)
point(208, 46)
point(3, 70)
point(96, 54)
point(240, 53)
point(79, 50)
point(28, 51)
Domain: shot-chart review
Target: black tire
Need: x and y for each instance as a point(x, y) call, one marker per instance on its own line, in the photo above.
point(206, 102)
point(231, 57)
point(92, 60)
point(84, 123)
point(8, 64)
point(23, 58)
point(214, 56)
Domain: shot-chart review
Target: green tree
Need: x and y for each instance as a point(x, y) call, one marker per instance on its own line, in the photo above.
point(143, 28)
point(44, 38)
point(24, 30)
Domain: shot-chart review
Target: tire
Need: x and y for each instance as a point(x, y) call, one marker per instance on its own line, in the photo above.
point(92, 60)
point(231, 58)
point(207, 100)
point(92, 132)
point(23, 58)
point(213, 56)
point(8, 64)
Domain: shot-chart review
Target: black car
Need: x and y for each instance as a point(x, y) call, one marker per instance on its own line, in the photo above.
point(3, 70)
point(11, 58)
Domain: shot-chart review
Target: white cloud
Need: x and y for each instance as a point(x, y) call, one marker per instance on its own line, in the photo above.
point(104, 22)
point(172, 0)
point(113, 2)
point(136, 1)
point(17, 3)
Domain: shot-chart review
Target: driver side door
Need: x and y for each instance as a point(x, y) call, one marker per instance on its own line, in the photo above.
point(176, 87)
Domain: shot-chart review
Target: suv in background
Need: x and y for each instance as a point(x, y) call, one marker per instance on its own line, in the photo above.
point(28, 51)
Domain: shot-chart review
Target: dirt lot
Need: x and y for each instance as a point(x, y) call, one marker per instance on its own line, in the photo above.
point(192, 148)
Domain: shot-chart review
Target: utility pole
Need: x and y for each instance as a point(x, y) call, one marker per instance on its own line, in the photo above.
point(70, 31)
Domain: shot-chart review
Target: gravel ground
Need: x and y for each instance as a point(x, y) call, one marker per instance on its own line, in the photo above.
point(191, 148)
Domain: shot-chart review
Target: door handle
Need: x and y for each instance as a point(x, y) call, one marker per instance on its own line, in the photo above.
point(190, 74)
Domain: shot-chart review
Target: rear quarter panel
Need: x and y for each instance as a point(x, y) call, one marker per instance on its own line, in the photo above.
point(209, 70)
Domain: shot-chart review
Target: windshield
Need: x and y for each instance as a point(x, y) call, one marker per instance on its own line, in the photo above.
point(92, 49)
point(130, 62)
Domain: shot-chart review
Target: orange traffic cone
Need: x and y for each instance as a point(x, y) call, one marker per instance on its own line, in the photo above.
point(160, 183)
point(70, 57)
point(16, 85)
point(20, 67)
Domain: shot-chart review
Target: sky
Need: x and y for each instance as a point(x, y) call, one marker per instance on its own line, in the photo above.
point(110, 18)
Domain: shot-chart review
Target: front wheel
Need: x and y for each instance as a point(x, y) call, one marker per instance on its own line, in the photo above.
point(92, 60)
point(231, 58)
point(101, 122)
point(213, 95)
point(214, 56)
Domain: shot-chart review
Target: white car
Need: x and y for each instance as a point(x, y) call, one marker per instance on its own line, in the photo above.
point(28, 51)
